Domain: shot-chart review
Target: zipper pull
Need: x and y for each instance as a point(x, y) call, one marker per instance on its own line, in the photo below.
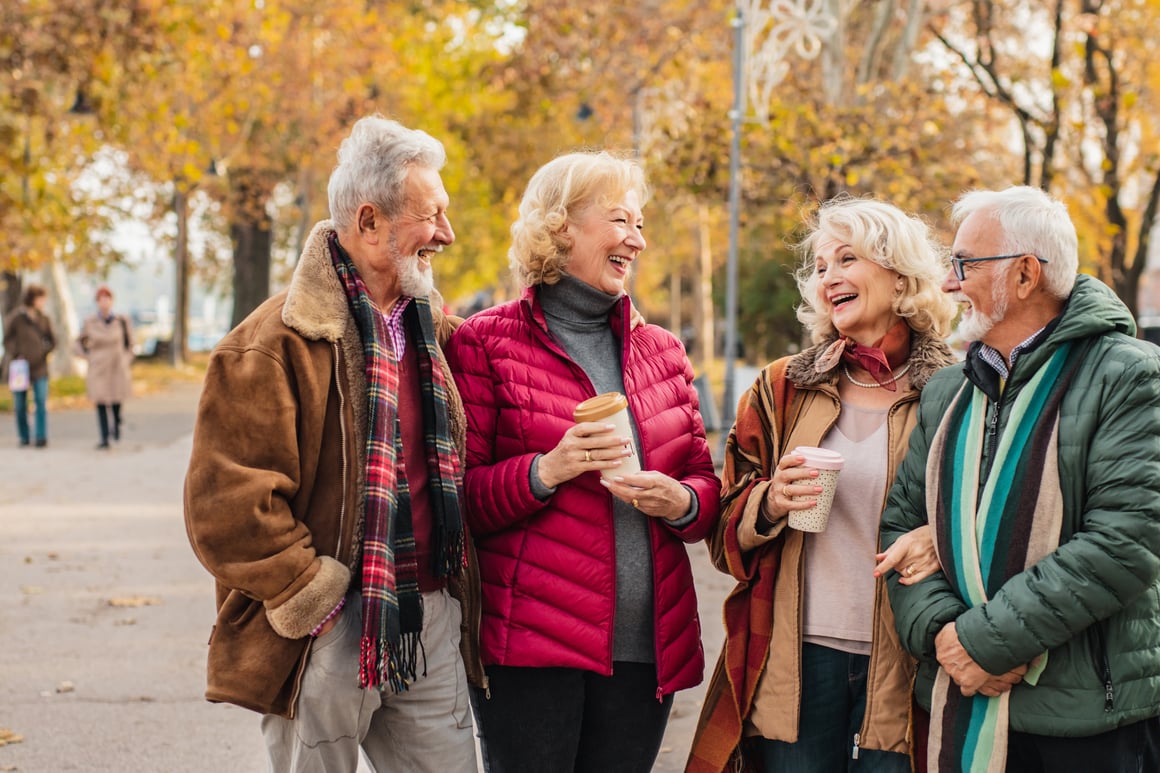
point(1108, 695)
point(854, 751)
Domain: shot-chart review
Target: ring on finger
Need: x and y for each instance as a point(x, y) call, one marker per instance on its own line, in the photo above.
point(785, 491)
point(635, 505)
point(587, 455)
point(909, 571)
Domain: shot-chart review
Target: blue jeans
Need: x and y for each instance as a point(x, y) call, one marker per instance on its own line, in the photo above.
point(832, 708)
point(20, 405)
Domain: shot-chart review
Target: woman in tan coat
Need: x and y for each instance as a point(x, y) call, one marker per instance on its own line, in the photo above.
point(812, 675)
point(106, 341)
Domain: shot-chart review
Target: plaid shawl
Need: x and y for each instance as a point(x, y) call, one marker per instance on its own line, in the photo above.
point(748, 613)
point(392, 606)
point(984, 536)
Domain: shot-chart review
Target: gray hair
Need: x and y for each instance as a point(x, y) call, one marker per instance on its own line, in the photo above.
point(1033, 223)
point(373, 163)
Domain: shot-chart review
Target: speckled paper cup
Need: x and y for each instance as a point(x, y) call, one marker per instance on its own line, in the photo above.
point(828, 464)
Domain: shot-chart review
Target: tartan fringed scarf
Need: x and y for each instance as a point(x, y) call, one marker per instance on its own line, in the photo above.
point(985, 537)
point(392, 607)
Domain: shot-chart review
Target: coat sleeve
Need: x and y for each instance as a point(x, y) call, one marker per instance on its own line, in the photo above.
point(244, 473)
point(750, 456)
point(699, 474)
point(498, 491)
point(1115, 554)
point(920, 610)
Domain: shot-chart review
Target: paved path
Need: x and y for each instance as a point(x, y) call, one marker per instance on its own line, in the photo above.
point(104, 612)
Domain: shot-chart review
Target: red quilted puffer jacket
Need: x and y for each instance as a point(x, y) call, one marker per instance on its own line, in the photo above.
point(549, 568)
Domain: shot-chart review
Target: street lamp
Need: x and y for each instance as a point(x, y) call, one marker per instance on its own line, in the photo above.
point(764, 34)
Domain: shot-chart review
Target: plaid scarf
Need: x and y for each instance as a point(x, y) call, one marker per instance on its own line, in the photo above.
point(392, 606)
point(984, 536)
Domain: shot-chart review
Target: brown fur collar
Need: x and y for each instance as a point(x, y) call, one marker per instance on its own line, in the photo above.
point(927, 355)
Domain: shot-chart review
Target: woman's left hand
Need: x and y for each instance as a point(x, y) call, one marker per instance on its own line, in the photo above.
point(653, 493)
point(912, 556)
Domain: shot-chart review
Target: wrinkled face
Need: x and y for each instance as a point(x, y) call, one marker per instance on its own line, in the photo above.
point(605, 242)
point(857, 293)
point(419, 232)
point(983, 292)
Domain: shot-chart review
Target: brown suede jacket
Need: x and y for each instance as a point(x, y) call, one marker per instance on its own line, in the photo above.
point(273, 495)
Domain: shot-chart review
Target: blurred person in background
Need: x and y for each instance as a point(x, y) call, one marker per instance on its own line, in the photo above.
point(812, 678)
point(589, 614)
point(106, 341)
point(28, 337)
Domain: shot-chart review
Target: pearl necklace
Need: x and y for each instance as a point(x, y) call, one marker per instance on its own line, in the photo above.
point(893, 377)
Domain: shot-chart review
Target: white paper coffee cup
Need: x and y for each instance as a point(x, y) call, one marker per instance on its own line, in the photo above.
point(611, 407)
point(828, 464)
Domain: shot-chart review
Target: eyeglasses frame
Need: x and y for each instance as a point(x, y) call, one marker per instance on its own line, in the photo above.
point(958, 264)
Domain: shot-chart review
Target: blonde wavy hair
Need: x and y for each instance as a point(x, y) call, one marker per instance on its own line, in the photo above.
point(886, 235)
point(558, 193)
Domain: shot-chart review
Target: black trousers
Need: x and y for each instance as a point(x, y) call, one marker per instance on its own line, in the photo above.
point(565, 720)
point(103, 422)
point(1133, 748)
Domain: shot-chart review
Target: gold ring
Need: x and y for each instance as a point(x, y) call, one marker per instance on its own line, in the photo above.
point(635, 505)
point(587, 456)
point(909, 571)
point(785, 491)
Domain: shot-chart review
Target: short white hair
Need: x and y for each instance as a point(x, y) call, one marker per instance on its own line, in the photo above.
point(372, 165)
point(1031, 222)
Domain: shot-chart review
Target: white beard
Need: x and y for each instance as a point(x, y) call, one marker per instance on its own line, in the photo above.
point(413, 281)
point(976, 325)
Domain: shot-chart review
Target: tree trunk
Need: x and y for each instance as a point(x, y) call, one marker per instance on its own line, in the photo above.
point(63, 316)
point(703, 300)
point(250, 232)
point(177, 348)
point(11, 287)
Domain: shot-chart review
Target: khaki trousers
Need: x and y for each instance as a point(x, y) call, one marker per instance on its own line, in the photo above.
point(427, 728)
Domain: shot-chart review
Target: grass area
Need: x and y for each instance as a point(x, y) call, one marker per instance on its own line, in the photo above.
point(149, 376)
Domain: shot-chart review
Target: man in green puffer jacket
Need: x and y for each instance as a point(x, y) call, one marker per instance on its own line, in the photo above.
point(1037, 463)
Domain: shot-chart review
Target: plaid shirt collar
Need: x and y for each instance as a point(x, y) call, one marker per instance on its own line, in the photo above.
point(992, 357)
point(394, 320)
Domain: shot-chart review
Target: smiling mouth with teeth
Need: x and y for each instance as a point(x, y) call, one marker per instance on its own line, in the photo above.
point(618, 260)
point(836, 302)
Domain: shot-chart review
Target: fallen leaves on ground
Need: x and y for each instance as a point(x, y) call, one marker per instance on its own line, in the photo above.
point(7, 737)
point(134, 601)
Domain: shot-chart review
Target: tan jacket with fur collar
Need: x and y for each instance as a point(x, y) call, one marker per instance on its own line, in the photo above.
point(273, 495)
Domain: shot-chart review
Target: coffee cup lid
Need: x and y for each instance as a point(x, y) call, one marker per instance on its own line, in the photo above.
point(820, 458)
point(599, 407)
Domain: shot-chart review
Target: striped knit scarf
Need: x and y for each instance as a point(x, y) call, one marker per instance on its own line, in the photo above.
point(392, 606)
point(984, 539)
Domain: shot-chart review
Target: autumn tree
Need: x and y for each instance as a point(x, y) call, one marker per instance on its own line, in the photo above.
point(1084, 107)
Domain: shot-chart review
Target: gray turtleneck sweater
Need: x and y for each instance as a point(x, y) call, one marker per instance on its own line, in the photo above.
point(577, 315)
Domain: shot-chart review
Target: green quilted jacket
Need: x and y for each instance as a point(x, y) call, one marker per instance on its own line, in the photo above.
point(1093, 604)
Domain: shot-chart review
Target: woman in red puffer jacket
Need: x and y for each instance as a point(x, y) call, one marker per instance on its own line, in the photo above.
point(589, 614)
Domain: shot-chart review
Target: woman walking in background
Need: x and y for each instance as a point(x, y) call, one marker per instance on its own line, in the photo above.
point(28, 338)
point(812, 674)
point(106, 341)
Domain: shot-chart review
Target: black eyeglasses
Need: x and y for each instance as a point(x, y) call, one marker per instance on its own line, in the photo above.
point(957, 263)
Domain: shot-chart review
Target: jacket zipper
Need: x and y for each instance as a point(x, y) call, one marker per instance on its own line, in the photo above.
point(345, 459)
point(341, 519)
point(1104, 667)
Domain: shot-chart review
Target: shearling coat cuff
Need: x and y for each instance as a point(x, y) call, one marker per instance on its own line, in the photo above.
point(298, 616)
